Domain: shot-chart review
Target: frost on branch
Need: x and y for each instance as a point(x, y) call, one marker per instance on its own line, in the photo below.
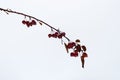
point(75, 46)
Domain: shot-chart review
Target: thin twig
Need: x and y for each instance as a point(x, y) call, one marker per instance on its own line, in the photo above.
point(19, 13)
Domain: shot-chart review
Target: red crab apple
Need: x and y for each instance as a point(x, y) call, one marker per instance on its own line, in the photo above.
point(84, 48)
point(71, 44)
point(74, 54)
point(77, 40)
point(63, 33)
point(84, 54)
point(49, 35)
point(78, 47)
point(60, 36)
point(54, 35)
point(33, 22)
point(23, 21)
point(28, 23)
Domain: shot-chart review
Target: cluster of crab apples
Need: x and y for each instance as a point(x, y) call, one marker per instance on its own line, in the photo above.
point(56, 34)
point(29, 23)
point(77, 48)
point(73, 45)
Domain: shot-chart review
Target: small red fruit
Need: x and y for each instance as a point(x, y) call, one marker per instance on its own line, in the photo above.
point(30, 24)
point(54, 35)
point(77, 40)
point(78, 47)
point(84, 48)
point(60, 36)
point(49, 35)
point(63, 33)
point(84, 54)
point(33, 22)
point(24, 22)
point(71, 44)
point(74, 54)
point(27, 23)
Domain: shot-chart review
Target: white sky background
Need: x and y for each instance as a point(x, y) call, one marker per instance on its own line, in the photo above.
point(28, 53)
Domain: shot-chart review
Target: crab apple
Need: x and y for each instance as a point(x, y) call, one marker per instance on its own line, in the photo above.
point(30, 23)
point(84, 54)
point(23, 21)
point(60, 36)
point(71, 45)
point(54, 35)
point(78, 47)
point(27, 23)
point(77, 40)
point(33, 22)
point(74, 54)
point(84, 48)
point(49, 35)
point(63, 33)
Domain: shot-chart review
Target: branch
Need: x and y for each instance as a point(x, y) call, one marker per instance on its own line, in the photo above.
point(75, 46)
point(19, 13)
